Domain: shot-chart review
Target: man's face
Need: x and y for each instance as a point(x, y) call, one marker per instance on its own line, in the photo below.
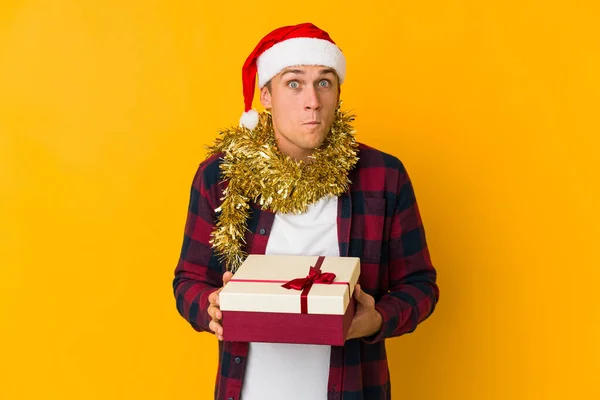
point(302, 100)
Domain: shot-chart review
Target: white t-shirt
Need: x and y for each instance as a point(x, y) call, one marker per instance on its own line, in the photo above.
point(278, 371)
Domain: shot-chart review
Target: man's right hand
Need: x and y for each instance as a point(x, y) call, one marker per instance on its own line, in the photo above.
point(213, 309)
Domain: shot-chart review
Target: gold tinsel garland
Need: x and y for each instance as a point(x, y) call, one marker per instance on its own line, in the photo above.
point(257, 171)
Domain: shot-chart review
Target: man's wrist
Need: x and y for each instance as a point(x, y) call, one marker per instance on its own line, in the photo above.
point(377, 323)
point(379, 319)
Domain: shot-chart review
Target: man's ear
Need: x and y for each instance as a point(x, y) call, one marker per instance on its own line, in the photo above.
point(265, 97)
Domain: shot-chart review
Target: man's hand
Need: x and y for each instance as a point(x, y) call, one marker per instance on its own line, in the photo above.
point(213, 309)
point(367, 320)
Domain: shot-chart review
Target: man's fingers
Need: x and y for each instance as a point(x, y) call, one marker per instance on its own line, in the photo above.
point(213, 309)
point(227, 277)
point(215, 295)
point(212, 298)
point(215, 327)
point(215, 312)
point(358, 293)
point(363, 298)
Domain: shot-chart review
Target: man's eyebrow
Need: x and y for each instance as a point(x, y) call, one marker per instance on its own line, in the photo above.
point(327, 71)
point(292, 71)
point(324, 71)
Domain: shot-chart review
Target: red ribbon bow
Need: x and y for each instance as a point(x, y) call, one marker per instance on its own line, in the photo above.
point(315, 275)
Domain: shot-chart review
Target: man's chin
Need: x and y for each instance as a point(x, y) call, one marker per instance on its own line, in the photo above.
point(316, 142)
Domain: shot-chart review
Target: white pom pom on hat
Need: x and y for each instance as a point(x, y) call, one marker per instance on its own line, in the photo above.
point(303, 44)
point(249, 119)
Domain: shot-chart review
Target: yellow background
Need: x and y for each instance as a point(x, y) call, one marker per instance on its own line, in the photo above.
point(105, 109)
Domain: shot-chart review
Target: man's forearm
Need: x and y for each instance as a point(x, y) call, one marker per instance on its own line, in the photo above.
point(404, 308)
point(192, 301)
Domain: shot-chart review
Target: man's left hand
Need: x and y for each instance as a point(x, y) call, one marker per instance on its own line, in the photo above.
point(367, 320)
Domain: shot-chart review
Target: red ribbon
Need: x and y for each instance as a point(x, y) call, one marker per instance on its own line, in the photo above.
point(314, 276)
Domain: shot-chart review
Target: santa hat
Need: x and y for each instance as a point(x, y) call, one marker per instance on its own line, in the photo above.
point(302, 44)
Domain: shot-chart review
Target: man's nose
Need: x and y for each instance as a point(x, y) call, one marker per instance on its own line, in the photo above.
point(312, 101)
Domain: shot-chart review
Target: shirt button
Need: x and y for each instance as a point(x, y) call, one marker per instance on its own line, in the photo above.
point(237, 360)
point(231, 398)
point(262, 231)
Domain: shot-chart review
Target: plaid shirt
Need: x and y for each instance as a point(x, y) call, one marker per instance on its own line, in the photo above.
point(378, 221)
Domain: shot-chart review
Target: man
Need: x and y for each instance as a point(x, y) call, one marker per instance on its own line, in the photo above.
point(293, 181)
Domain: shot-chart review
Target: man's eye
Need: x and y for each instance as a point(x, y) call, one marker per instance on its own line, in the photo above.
point(324, 83)
point(294, 84)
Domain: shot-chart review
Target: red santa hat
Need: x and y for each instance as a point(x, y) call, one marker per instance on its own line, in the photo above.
point(302, 44)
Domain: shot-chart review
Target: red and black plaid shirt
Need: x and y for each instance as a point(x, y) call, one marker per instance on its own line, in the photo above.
point(378, 221)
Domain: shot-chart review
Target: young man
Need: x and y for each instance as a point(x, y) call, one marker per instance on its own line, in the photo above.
point(294, 181)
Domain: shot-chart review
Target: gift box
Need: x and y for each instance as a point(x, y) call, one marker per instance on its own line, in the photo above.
point(290, 299)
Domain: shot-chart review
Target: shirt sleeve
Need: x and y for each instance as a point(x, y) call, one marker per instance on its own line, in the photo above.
point(198, 272)
point(413, 291)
